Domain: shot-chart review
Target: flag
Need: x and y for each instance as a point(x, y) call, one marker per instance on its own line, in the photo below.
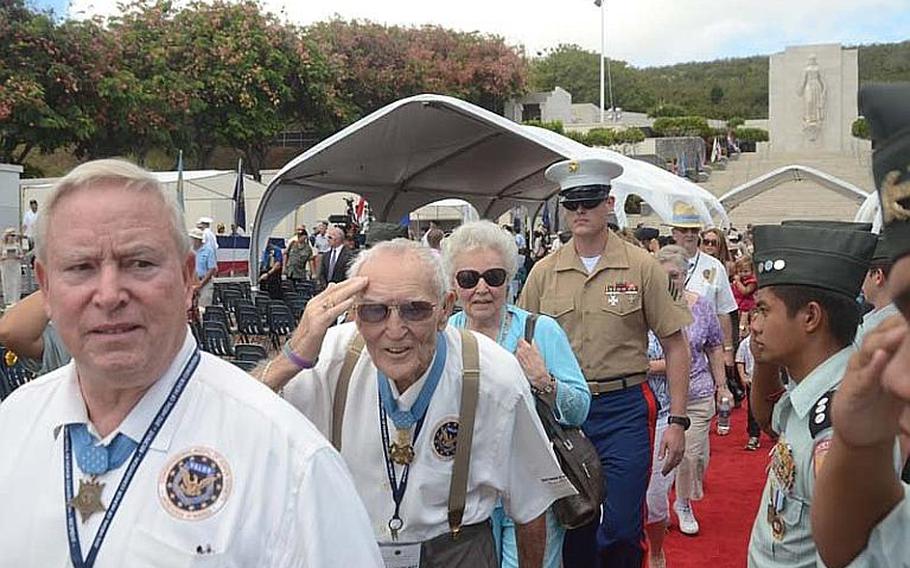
point(545, 217)
point(180, 181)
point(239, 204)
point(715, 150)
point(360, 211)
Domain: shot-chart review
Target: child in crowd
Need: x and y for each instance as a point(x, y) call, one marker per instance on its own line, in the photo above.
point(744, 286)
point(745, 364)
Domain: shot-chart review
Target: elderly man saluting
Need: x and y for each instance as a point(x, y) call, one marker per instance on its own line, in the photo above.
point(406, 423)
point(144, 451)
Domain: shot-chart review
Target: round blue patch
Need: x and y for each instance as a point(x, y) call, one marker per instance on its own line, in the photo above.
point(195, 484)
point(445, 439)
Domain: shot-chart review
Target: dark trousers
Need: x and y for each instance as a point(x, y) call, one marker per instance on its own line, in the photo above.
point(752, 425)
point(621, 426)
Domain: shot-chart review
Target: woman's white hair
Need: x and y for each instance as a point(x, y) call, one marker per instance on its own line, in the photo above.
point(113, 172)
point(673, 254)
point(480, 235)
point(399, 248)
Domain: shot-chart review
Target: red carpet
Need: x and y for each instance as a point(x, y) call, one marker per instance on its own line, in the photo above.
point(733, 489)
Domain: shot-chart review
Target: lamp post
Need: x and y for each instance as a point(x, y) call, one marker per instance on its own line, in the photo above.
point(603, 59)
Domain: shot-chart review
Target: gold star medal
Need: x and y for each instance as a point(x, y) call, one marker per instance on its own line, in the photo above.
point(88, 500)
point(401, 450)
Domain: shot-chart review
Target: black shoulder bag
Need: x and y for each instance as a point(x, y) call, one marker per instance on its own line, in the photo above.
point(577, 457)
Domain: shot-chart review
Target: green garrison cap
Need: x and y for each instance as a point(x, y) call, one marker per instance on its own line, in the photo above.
point(882, 254)
point(831, 259)
point(585, 179)
point(837, 225)
point(887, 110)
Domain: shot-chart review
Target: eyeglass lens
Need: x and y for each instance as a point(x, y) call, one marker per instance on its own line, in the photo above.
point(408, 311)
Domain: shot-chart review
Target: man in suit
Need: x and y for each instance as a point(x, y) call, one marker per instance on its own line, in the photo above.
point(336, 260)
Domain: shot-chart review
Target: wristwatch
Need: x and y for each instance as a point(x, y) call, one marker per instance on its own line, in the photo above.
point(681, 420)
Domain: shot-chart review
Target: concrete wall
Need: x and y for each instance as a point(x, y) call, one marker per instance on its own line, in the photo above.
point(788, 126)
point(10, 205)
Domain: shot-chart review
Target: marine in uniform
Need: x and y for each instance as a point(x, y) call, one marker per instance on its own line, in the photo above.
point(861, 514)
point(607, 293)
point(805, 319)
point(143, 451)
point(401, 421)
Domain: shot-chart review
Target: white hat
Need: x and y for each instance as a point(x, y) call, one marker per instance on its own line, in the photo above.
point(206, 220)
point(570, 174)
point(196, 234)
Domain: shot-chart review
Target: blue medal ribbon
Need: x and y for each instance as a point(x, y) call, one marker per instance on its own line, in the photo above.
point(93, 459)
point(402, 419)
point(72, 532)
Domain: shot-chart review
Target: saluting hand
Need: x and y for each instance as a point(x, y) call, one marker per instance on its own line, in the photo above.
point(321, 312)
point(873, 400)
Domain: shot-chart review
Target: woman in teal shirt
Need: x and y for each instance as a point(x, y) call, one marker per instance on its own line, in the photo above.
point(482, 259)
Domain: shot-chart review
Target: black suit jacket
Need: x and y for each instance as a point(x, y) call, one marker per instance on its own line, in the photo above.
point(340, 274)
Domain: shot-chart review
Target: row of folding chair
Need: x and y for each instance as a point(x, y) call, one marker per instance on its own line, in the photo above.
point(13, 373)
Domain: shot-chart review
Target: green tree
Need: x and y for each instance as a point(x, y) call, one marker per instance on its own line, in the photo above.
point(568, 66)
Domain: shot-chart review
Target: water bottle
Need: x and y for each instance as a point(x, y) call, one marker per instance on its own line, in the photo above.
point(723, 416)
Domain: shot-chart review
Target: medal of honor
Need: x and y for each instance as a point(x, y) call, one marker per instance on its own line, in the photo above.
point(88, 500)
point(401, 450)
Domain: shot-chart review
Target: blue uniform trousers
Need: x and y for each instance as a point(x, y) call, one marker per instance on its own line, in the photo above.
point(621, 426)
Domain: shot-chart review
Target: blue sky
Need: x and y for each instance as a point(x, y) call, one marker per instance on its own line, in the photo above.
point(642, 32)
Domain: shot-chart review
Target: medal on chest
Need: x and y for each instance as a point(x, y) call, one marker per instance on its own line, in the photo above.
point(88, 500)
point(401, 451)
point(783, 478)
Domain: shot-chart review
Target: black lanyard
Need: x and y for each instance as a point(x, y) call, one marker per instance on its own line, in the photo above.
point(398, 488)
point(691, 269)
point(72, 532)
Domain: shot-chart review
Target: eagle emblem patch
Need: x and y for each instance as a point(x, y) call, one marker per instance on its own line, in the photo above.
point(195, 484)
point(445, 439)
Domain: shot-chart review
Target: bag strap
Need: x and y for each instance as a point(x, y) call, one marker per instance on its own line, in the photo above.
point(529, 327)
point(341, 389)
point(470, 388)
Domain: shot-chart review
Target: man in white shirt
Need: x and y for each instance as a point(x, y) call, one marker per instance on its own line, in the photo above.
point(399, 296)
point(706, 276)
point(209, 238)
point(29, 220)
point(196, 464)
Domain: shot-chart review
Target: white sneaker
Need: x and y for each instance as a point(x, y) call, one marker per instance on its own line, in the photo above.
point(687, 521)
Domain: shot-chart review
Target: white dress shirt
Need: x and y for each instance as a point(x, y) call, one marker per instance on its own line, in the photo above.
point(511, 457)
point(707, 277)
point(286, 498)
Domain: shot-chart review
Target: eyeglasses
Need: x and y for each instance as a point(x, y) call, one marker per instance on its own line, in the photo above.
point(468, 279)
point(408, 311)
point(711, 242)
point(585, 204)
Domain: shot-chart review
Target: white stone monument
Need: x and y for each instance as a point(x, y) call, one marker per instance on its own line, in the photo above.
point(9, 196)
point(812, 99)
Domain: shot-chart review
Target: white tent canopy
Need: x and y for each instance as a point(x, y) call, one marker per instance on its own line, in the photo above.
point(870, 212)
point(738, 195)
point(430, 147)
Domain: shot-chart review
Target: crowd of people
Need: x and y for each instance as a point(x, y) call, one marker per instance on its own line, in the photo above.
point(409, 419)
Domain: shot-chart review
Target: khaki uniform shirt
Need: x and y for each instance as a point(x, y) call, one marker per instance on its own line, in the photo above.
point(606, 314)
point(803, 418)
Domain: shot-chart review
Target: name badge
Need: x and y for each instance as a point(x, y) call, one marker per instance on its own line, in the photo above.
point(400, 555)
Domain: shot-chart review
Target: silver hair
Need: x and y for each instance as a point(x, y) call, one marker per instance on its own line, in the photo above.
point(480, 235)
point(111, 171)
point(335, 230)
point(402, 247)
point(674, 254)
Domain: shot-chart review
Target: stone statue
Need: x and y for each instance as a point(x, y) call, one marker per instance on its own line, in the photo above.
point(812, 92)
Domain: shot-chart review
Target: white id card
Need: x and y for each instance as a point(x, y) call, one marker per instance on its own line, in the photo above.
point(400, 555)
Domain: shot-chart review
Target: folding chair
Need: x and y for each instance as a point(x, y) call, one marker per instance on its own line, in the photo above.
point(217, 313)
point(247, 366)
point(249, 352)
point(249, 322)
point(281, 321)
point(216, 339)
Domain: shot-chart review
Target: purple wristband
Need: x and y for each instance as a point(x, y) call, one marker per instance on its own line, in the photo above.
point(296, 359)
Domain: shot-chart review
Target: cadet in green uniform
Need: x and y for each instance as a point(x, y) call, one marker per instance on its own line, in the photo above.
point(862, 512)
point(877, 290)
point(607, 293)
point(805, 319)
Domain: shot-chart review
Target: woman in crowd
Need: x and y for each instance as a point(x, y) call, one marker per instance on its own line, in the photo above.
point(11, 267)
point(714, 242)
point(706, 379)
point(481, 259)
point(659, 486)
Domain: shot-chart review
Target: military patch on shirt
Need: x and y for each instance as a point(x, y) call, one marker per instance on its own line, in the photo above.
point(820, 417)
point(445, 439)
point(195, 484)
point(818, 455)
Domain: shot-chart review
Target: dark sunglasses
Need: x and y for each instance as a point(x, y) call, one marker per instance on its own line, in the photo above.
point(709, 242)
point(408, 311)
point(585, 204)
point(494, 277)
